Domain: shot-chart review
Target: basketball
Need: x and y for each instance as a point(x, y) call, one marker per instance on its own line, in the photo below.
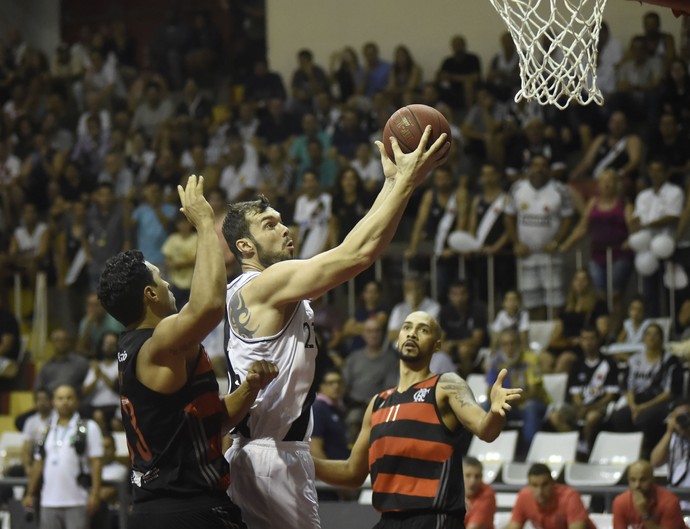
point(407, 124)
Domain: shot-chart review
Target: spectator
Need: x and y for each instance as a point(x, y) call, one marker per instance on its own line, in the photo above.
point(308, 80)
point(635, 325)
point(404, 78)
point(277, 172)
point(195, 161)
point(368, 167)
point(533, 141)
point(658, 44)
point(547, 504)
point(348, 135)
point(592, 386)
point(312, 216)
point(674, 448)
point(112, 472)
point(105, 232)
point(668, 143)
point(94, 325)
point(247, 122)
point(538, 218)
point(299, 153)
point(483, 128)
point(372, 77)
point(329, 438)
point(657, 209)
point(116, 173)
point(370, 306)
point(646, 504)
point(504, 72)
point(95, 107)
point(327, 112)
point(262, 86)
point(166, 173)
point(140, 158)
point(153, 112)
point(487, 224)
point(480, 498)
point(351, 201)
point(277, 125)
point(101, 75)
point(639, 77)
point(10, 345)
point(617, 149)
point(675, 92)
point(30, 245)
point(654, 379)
point(91, 147)
point(179, 250)
point(35, 427)
point(100, 389)
point(367, 371)
point(511, 316)
point(169, 43)
point(325, 166)
point(194, 107)
point(463, 321)
point(583, 308)
point(605, 220)
point(413, 300)
point(68, 466)
point(523, 372)
point(152, 219)
point(457, 78)
point(65, 367)
point(201, 59)
point(610, 55)
point(343, 73)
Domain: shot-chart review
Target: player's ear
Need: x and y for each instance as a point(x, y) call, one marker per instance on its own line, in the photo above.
point(245, 246)
point(150, 294)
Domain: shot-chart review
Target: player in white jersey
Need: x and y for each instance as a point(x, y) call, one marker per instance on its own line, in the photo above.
point(538, 218)
point(269, 316)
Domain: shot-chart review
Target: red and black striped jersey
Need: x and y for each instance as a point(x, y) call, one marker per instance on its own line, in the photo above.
point(415, 461)
point(174, 440)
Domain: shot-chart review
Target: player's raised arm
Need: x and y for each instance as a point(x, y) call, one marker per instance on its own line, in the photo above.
point(291, 281)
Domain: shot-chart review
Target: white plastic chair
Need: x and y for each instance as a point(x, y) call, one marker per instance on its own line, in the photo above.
point(552, 449)
point(501, 519)
point(479, 387)
point(555, 385)
point(540, 334)
point(494, 455)
point(11, 440)
point(611, 454)
point(602, 520)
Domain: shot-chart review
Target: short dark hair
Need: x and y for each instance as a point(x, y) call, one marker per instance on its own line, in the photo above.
point(330, 371)
point(590, 328)
point(235, 224)
point(120, 289)
point(44, 389)
point(469, 461)
point(539, 469)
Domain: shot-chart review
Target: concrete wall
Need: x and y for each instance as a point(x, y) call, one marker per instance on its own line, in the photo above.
point(424, 26)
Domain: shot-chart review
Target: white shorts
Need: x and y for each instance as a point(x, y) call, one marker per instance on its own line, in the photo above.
point(273, 482)
point(541, 280)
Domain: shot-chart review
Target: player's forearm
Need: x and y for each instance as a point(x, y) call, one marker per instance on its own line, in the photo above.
point(338, 473)
point(208, 282)
point(490, 426)
point(659, 454)
point(237, 405)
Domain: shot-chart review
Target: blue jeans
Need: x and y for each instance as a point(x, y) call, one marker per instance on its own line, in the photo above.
point(621, 273)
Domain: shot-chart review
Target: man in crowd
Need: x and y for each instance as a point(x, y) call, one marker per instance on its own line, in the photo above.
point(480, 498)
point(646, 505)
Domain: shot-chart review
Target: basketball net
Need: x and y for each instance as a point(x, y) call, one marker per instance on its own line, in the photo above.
point(556, 42)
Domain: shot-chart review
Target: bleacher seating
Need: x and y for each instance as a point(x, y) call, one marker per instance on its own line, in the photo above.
point(553, 449)
point(611, 454)
point(494, 455)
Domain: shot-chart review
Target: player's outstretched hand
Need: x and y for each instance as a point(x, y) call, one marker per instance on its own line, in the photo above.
point(414, 166)
point(194, 206)
point(260, 374)
point(501, 397)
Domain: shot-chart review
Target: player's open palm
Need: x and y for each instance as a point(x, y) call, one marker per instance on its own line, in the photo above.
point(194, 205)
point(417, 164)
point(502, 397)
point(260, 374)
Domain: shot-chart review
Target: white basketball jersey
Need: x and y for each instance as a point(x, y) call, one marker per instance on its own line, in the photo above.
point(282, 410)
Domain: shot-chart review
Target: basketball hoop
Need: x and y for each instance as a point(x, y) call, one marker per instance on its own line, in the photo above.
point(556, 42)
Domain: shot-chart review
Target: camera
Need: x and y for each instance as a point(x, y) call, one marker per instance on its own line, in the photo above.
point(683, 421)
point(84, 480)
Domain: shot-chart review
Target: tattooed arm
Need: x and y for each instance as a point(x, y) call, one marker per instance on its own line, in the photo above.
point(240, 315)
point(454, 391)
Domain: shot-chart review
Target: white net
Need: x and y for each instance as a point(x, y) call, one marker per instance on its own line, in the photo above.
point(556, 41)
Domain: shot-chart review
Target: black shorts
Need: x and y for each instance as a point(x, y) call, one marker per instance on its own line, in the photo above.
point(227, 516)
point(421, 520)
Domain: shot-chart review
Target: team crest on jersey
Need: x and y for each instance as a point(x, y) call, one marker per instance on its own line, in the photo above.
point(420, 395)
point(121, 357)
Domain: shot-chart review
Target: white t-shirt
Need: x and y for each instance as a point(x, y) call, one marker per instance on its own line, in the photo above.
point(503, 321)
point(651, 206)
point(61, 466)
point(312, 215)
point(236, 179)
point(539, 212)
point(9, 169)
point(103, 395)
point(35, 428)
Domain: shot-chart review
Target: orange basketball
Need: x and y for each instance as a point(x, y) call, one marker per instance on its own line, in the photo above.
point(407, 125)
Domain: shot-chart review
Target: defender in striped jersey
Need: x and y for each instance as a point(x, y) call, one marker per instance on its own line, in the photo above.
point(173, 416)
point(410, 437)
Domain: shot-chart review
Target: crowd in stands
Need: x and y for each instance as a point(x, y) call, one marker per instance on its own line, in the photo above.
point(94, 141)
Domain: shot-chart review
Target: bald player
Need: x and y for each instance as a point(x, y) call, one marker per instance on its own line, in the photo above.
point(646, 505)
point(410, 441)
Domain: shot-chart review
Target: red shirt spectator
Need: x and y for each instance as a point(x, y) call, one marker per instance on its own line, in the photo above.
point(481, 508)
